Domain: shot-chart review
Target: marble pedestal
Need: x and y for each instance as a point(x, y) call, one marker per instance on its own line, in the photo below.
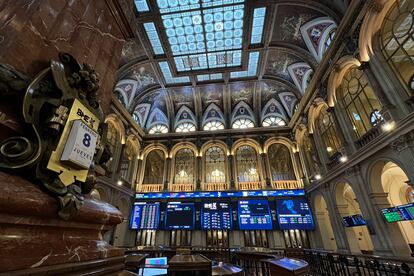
point(34, 240)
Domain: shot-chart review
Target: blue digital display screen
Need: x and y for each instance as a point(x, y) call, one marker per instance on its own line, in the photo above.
point(216, 216)
point(221, 194)
point(254, 215)
point(294, 214)
point(180, 216)
point(145, 216)
point(354, 220)
point(399, 213)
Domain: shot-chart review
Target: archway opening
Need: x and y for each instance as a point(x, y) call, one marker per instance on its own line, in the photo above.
point(359, 239)
point(324, 223)
point(395, 184)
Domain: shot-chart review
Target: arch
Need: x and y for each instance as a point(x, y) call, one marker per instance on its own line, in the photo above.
point(346, 201)
point(289, 101)
point(153, 174)
point(317, 106)
point(183, 145)
point(242, 111)
point(388, 188)
point(273, 108)
point(157, 117)
point(104, 196)
point(323, 219)
point(214, 162)
point(301, 73)
point(279, 140)
point(116, 121)
point(248, 168)
point(128, 160)
point(217, 143)
point(152, 147)
point(335, 78)
point(315, 33)
point(212, 113)
point(184, 115)
point(371, 25)
point(246, 141)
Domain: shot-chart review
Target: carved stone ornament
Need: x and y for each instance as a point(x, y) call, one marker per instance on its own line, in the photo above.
point(403, 142)
point(61, 97)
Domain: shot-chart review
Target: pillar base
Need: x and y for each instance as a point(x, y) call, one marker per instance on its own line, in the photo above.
point(33, 236)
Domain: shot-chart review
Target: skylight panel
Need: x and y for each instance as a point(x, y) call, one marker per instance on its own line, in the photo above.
point(166, 71)
point(251, 68)
point(259, 15)
point(141, 5)
point(153, 38)
point(169, 6)
point(203, 36)
point(208, 77)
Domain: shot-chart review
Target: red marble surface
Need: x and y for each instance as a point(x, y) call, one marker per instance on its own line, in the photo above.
point(34, 31)
point(32, 235)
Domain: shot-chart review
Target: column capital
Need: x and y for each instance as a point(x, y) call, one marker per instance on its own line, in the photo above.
point(403, 142)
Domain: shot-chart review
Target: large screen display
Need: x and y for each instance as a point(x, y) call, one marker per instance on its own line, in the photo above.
point(179, 216)
point(354, 220)
point(254, 215)
point(145, 215)
point(399, 213)
point(294, 214)
point(216, 216)
point(220, 194)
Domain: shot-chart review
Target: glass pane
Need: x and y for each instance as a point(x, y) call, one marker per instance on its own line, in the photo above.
point(154, 167)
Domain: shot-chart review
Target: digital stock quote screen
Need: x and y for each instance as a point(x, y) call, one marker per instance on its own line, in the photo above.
point(254, 214)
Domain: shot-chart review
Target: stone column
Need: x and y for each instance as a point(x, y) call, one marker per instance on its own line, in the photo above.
point(199, 172)
point(404, 148)
point(388, 110)
point(321, 150)
point(231, 171)
point(266, 174)
point(337, 227)
point(344, 128)
point(166, 174)
point(376, 225)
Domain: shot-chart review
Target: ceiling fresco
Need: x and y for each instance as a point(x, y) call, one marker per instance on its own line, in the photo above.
point(204, 59)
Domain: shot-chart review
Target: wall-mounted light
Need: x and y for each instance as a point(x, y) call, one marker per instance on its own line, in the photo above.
point(388, 126)
point(119, 182)
point(343, 158)
point(329, 149)
point(318, 177)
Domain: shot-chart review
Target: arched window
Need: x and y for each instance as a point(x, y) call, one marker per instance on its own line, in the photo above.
point(185, 127)
point(184, 167)
point(280, 163)
point(154, 167)
point(397, 39)
point(273, 121)
point(309, 155)
point(243, 123)
point(247, 164)
point(158, 128)
point(359, 101)
point(112, 142)
point(213, 125)
point(327, 131)
point(215, 164)
point(127, 162)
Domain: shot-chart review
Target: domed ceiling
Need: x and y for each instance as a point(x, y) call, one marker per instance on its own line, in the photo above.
point(221, 64)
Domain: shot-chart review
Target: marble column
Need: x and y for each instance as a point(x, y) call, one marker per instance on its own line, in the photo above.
point(166, 175)
point(265, 169)
point(337, 227)
point(375, 223)
point(231, 171)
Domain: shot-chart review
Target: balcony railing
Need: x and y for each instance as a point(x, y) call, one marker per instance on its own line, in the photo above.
point(253, 185)
point(151, 188)
point(287, 184)
point(215, 186)
point(182, 187)
point(369, 136)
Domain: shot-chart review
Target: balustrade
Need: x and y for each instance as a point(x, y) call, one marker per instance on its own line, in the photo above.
point(287, 184)
point(215, 186)
point(151, 188)
point(182, 187)
point(253, 185)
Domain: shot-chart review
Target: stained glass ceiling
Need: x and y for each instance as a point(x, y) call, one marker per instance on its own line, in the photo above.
point(203, 34)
